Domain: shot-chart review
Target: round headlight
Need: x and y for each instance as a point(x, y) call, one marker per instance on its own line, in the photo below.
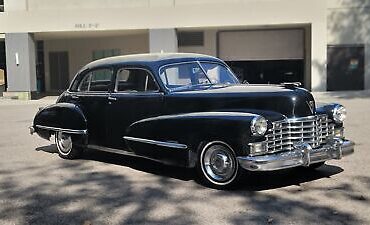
point(339, 113)
point(259, 126)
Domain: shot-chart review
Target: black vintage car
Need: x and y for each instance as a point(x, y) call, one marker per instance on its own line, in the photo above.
point(189, 110)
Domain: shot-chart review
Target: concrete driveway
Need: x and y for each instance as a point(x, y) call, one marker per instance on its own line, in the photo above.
point(37, 187)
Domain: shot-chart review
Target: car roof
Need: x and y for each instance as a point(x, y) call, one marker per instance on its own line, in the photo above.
point(150, 59)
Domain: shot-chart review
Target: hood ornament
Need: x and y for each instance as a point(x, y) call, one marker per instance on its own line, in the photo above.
point(311, 105)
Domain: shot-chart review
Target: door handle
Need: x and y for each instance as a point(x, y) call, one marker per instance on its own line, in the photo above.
point(75, 97)
point(112, 98)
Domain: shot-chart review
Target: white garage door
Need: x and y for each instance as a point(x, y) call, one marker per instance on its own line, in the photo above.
point(261, 45)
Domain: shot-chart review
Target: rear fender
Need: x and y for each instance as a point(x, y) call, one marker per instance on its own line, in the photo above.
point(65, 117)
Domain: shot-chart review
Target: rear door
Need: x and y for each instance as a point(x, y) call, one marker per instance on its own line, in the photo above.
point(91, 94)
point(136, 96)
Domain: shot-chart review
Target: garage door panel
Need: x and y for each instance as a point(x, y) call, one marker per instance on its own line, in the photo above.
point(261, 45)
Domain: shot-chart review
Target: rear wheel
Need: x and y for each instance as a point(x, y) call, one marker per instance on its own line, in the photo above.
point(218, 166)
point(66, 148)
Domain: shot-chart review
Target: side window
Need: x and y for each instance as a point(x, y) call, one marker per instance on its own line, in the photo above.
point(96, 81)
point(84, 84)
point(134, 80)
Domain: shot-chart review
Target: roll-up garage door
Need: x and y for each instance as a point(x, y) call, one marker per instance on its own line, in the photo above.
point(261, 45)
point(264, 56)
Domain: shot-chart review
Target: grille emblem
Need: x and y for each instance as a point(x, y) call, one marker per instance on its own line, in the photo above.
point(311, 105)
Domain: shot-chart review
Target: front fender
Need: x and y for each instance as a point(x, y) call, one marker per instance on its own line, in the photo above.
point(191, 129)
point(65, 117)
point(325, 108)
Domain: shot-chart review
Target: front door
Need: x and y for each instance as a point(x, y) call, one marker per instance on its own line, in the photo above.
point(136, 96)
point(345, 69)
point(59, 70)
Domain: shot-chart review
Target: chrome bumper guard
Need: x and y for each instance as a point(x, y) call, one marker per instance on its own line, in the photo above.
point(301, 155)
point(32, 130)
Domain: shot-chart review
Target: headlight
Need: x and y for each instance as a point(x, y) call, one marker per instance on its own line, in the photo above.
point(258, 126)
point(339, 114)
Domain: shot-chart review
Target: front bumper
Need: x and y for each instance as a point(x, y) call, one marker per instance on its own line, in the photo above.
point(302, 155)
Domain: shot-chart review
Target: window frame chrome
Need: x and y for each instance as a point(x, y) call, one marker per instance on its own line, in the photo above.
point(138, 92)
point(80, 76)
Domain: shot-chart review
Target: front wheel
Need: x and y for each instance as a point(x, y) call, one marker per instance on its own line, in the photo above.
point(66, 148)
point(218, 166)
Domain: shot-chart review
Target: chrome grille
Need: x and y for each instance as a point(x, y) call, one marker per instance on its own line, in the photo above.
point(313, 130)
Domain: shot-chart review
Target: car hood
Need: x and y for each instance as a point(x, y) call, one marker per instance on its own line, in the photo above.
point(272, 101)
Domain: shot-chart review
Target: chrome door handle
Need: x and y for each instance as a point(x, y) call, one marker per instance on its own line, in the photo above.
point(112, 98)
point(75, 97)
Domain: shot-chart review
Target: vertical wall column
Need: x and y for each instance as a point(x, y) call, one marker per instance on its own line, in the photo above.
point(21, 65)
point(318, 55)
point(162, 40)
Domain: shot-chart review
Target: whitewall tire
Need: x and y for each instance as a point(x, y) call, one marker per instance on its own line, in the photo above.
point(218, 166)
point(66, 148)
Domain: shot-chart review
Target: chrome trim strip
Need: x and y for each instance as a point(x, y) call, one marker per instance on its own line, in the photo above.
point(135, 68)
point(301, 119)
point(158, 143)
point(110, 150)
point(70, 131)
point(122, 152)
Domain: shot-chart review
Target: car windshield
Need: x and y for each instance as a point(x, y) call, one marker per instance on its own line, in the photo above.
point(193, 75)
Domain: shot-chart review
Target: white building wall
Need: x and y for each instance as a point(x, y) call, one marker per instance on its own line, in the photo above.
point(34, 16)
point(348, 24)
point(162, 40)
point(15, 5)
point(80, 50)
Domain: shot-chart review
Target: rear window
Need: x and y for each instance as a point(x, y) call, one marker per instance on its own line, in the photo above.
point(98, 80)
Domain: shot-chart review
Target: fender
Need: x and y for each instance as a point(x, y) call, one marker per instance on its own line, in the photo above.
point(325, 108)
point(64, 117)
point(183, 134)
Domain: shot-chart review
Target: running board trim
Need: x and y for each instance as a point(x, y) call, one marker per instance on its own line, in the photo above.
point(121, 152)
point(158, 143)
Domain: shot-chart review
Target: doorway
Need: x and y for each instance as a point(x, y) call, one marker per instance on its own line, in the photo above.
point(268, 71)
point(264, 56)
point(59, 71)
point(345, 70)
point(2, 68)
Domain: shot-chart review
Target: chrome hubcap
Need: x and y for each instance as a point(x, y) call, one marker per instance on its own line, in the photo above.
point(219, 163)
point(64, 143)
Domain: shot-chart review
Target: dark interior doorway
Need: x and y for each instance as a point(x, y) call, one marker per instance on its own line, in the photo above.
point(2, 68)
point(269, 71)
point(59, 71)
point(345, 70)
point(40, 67)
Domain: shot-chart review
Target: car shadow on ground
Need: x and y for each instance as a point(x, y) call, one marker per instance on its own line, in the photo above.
point(251, 181)
point(79, 192)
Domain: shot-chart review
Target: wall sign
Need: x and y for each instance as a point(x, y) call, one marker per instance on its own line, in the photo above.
point(87, 25)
